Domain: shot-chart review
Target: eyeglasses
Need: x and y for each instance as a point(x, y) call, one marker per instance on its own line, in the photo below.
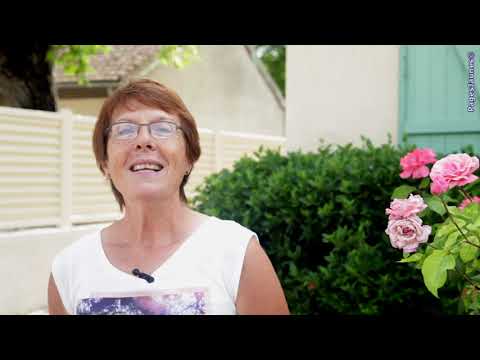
point(126, 130)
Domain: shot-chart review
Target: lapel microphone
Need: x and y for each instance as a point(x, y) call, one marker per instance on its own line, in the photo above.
point(143, 276)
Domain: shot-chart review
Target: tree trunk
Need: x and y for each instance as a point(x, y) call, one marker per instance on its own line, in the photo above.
point(26, 77)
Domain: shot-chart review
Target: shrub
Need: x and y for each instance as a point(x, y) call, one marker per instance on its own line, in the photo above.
point(321, 218)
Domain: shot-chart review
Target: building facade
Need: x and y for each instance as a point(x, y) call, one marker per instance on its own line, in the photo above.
point(418, 94)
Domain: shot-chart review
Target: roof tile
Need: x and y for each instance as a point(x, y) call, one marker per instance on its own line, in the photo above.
point(114, 66)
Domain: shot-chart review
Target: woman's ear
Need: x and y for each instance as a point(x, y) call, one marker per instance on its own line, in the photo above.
point(105, 169)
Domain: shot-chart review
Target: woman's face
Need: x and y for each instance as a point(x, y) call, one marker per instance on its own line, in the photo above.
point(126, 157)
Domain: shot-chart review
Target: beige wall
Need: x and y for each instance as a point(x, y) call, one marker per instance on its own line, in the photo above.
point(339, 92)
point(26, 262)
point(87, 106)
point(224, 91)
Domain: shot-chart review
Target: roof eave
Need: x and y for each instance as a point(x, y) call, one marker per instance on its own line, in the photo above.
point(94, 89)
point(90, 84)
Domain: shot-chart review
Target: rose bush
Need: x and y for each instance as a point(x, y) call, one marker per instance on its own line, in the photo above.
point(455, 247)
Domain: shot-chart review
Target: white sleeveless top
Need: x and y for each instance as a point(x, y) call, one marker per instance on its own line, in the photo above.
point(201, 277)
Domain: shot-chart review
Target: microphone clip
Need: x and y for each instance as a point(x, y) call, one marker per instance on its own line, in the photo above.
point(143, 276)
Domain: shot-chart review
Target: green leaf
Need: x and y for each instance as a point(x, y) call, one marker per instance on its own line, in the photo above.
point(472, 211)
point(413, 258)
point(293, 269)
point(435, 204)
point(447, 198)
point(459, 214)
point(425, 213)
point(424, 184)
point(451, 240)
point(445, 229)
point(461, 223)
point(469, 252)
point(403, 191)
point(434, 270)
point(475, 225)
point(476, 278)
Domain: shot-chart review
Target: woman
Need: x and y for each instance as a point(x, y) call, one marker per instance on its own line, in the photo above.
point(161, 257)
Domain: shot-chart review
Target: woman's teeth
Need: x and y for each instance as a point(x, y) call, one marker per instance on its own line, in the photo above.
point(153, 167)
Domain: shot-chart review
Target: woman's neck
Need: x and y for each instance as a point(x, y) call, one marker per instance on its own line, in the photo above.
point(155, 224)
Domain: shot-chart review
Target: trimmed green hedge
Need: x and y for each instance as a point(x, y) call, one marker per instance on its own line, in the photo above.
point(321, 218)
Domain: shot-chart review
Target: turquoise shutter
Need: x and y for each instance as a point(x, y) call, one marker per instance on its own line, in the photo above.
point(434, 96)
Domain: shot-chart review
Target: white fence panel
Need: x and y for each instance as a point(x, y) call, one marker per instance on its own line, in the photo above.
point(30, 168)
point(91, 193)
point(206, 164)
point(235, 145)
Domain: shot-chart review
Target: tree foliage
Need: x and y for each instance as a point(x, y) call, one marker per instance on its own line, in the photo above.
point(273, 57)
point(75, 59)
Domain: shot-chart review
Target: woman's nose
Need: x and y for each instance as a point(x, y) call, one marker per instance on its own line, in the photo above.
point(144, 139)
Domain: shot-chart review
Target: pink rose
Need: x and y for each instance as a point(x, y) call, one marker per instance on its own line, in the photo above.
point(453, 170)
point(439, 186)
point(413, 164)
point(407, 234)
point(476, 199)
point(404, 208)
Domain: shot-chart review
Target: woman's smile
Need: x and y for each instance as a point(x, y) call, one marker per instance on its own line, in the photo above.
point(147, 173)
point(147, 168)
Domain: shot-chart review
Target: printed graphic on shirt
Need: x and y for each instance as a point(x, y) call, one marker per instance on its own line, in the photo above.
point(187, 301)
